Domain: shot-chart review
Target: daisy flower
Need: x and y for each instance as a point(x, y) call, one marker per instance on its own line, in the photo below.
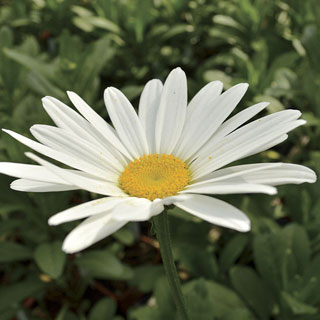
point(171, 152)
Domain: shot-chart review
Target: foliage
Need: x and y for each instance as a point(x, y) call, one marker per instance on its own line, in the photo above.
point(50, 46)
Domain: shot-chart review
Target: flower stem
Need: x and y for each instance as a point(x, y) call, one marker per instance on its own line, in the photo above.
point(161, 225)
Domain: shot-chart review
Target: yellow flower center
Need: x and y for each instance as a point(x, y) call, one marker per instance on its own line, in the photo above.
point(154, 176)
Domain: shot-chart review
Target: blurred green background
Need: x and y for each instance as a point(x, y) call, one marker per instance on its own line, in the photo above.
point(50, 46)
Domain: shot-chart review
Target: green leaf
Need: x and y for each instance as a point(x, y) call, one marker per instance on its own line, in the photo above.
point(191, 245)
point(228, 22)
point(30, 63)
point(10, 295)
point(102, 264)
point(311, 119)
point(66, 314)
point(232, 250)
point(83, 24)
point(100, 52)
point(238, 314)
point(198, 261)
point(164, 298)
point(297, 307)
point(281, 256)
point(8, 314)
point(213, 75)
point(131, 92)
point(298, 241)
point(208, 297)
point(174, 31)
point(164, 308)
point(81, 11)
point(50, 258)
point(103, 309)
point(308, 287)
point(197, 299)
point(10, 252)
point(309, 41)
point(42, 86)
point(7, 225)
point(105, 24)
point(145, 313)
point(144, 276)
point(62, 313)
point(6, 37)
point(125, 236)
point(253, 290)
point(275, 104)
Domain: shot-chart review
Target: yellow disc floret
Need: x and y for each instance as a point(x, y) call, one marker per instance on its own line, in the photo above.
point(154, 176)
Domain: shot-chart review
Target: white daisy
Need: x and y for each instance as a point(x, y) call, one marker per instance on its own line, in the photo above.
point(168, 153)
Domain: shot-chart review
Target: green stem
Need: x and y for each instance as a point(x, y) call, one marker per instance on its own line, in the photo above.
point(161, 225)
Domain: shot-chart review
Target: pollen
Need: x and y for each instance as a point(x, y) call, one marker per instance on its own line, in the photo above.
point(155, 176)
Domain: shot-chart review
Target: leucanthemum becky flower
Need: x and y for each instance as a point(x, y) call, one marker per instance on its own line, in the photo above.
point(170, 152)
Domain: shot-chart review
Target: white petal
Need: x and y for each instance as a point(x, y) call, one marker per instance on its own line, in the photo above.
point(29, 171)
point(126, 122)
point(241, 118)
point(207, 118)
point(269, 123)
point(205, 96)
point(204, 100)
point(148, 110)
point(66, 142)
point(230, 188)
point(38, 173)
point(283, 174)
point(91, 231)
point(234, 172)
point(232, 124)
point(59, 156)
point(270, 174)
point(242, 141)
point(214, 211)
point(85, 210)
point(172, 112)
point(267, 146)
point(85, 183)
point(66, 118)
point(98, 122)
point(27, 185)
point(137, 209)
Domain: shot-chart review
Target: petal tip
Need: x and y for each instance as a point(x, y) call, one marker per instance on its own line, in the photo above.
point(52, 221)
point(218, 82)
point(314, 177)
point(244, 225)
point(68, 250)
point(244, 86)
point(177, 71)
point(273, 191)
point(264, 104)
point(245, 228)
point(33, 128)
point(45, 99)
point(109, 92)
point(69, 246)
point(72, 95)
point(31, 156)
